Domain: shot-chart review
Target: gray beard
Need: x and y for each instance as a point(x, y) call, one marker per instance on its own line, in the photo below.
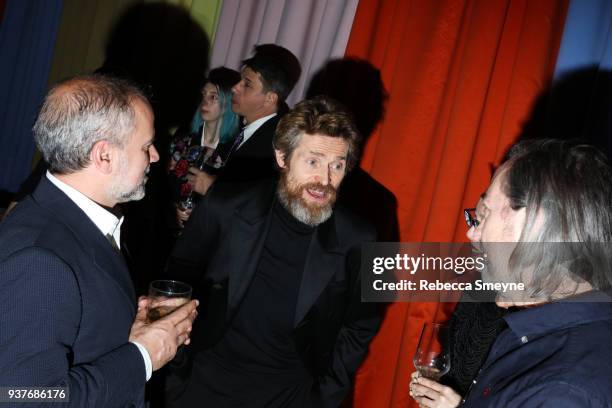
point(296, 205)
point(134, 195)
point(122, 193)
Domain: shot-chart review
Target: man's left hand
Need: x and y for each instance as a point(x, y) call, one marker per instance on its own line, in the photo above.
point(200, 180)
point(162, 337)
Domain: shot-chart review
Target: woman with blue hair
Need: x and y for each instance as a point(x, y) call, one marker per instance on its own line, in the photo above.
point(213, 124)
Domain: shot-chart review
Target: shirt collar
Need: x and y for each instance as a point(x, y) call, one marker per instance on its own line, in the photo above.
point(106, 222)
point(253, 126)
point(207, 143)
point(554, 316)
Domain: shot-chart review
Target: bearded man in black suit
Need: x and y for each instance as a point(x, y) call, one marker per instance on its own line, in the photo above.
point(277, 267)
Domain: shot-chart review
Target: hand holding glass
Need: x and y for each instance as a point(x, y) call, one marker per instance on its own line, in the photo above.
point(165, 296)
point(186, 204)
point(432, 357)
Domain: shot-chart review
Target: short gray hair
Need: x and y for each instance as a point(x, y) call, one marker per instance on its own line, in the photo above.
point(79, 112)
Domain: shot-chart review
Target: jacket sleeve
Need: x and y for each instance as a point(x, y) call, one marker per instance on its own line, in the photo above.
point(189, 256)
point(360, 325)
point(40, 305)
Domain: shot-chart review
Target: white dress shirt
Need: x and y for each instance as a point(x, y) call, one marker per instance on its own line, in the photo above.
point(253, 126)
point(107, 223)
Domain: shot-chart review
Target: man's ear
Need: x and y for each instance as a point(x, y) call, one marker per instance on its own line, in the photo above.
point(280, 158)
point(102, 156)
point(271, 98)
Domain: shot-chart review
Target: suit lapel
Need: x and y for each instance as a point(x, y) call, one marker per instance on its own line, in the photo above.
point(323, 260)
point(249, 229)
point(247, 237)
point(113, 264)
point(260, 142)
point(89, 237)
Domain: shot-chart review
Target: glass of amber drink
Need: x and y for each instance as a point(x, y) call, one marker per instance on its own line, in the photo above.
point(165, 296)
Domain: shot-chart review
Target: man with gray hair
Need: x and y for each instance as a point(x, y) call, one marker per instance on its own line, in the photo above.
point(544, 222)
point(69, 314)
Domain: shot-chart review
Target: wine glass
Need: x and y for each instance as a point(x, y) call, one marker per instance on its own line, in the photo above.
point(187, 203)
point(432, 357)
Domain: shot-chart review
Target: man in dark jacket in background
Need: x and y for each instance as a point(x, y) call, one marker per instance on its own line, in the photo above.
point(267, 79)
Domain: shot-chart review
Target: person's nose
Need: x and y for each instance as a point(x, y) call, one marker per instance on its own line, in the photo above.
point(153, 154)
point(235, 88)
point(324, 175)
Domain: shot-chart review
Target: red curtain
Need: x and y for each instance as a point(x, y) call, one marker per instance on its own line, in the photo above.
point(462, 76)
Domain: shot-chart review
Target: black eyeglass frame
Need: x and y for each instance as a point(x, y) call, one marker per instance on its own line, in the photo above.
point(470, 220)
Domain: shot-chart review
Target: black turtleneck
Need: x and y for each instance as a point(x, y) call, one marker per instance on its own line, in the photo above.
point(257, 349)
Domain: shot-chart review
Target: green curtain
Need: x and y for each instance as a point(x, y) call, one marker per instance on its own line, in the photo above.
point(205, 12)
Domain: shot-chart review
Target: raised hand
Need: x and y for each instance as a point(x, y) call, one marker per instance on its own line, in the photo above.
point(162, 337)
point(200, 180)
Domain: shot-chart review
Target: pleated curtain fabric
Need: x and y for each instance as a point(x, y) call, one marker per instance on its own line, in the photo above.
point(27, 41)
point(462, 76)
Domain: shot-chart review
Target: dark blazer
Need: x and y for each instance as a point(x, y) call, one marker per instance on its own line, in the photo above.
point(218, 253)
point(67, 305)
point(254, 160)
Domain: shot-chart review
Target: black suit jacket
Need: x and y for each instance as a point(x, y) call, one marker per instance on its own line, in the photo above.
point(254, 160)
point(67, 305)
point(218, 253)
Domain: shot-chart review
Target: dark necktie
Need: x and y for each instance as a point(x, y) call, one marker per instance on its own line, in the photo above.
point(113, 243)
point(236, 144)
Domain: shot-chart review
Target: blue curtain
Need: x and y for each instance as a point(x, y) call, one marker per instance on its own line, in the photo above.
point(579, 103)
point(27, 40)
point(587, 37)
